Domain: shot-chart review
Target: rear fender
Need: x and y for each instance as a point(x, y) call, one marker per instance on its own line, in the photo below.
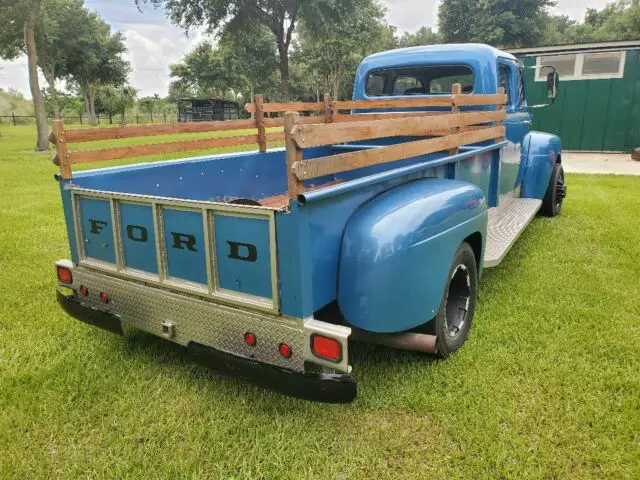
point(397, 250)
point(542, 152)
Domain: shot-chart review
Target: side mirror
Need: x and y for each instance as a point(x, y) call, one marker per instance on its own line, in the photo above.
point(553, 84)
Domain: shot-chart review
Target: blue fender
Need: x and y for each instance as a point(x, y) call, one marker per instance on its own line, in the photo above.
point(397, 251)
point(542, 151)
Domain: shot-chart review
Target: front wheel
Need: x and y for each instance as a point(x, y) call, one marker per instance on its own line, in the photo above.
point(556, 192)
point(453, 320)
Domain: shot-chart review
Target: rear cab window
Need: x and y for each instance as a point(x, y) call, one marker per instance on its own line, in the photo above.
point(423, 80)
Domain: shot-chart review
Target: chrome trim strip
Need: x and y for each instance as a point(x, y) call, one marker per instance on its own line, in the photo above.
point(117, 234)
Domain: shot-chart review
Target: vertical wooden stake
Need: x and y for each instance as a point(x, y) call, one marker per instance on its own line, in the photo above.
point(456, 89)
point(500, 108)
point(294, 154)
point(262, 135)
point(328, 113)
point(61, 149)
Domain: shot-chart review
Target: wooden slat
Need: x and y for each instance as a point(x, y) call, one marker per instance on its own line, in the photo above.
point(117, 153)
point(287, 107)
point(470, 99)
point(328, 112)
point(294, 154)
point(318, 167)
point(439, 101)
point(307, 136)
point(279, 121)
point(94, 134)
point(456, 91)
point(63, 160)
point(363, 117)
point(259, 111)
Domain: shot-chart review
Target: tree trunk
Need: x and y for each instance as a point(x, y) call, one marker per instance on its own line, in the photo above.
point(283, 53)
point(38, 102)
point(122, 119)
point(90, 105)
point(51, 80)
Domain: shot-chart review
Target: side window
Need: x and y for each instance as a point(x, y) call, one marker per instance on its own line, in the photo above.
point(522, 100)
point(503, 81)
point(375, 85)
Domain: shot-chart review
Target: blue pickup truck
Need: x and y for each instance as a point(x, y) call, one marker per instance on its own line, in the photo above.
point(372, 224)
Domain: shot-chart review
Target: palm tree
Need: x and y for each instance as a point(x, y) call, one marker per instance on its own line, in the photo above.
point(118, 99)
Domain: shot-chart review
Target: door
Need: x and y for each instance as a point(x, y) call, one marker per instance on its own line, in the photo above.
point(517, 124)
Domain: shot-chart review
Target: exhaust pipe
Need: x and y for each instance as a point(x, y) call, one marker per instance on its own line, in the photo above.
point(415, 342)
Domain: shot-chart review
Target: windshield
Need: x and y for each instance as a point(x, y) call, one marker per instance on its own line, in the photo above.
point(424, 80)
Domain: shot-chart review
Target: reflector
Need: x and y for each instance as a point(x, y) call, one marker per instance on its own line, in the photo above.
point(104, 298)
point(326, 348)
point(285, 350)
point(250, 339)
point(84, 291)
point(64, 275)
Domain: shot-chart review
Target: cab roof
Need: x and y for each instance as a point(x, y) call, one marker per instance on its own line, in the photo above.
point(452, 52)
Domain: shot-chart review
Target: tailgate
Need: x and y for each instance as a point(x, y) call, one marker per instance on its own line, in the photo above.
point(223, 252)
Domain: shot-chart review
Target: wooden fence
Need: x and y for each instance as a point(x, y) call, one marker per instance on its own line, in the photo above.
point(451, 129)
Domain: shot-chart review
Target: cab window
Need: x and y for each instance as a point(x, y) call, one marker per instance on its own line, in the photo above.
point(424, 80)
point(522, 100)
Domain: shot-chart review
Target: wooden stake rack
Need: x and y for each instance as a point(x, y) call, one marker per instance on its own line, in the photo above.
point(448, 129)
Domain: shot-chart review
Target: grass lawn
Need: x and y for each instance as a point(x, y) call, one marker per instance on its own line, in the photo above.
point(547, 386)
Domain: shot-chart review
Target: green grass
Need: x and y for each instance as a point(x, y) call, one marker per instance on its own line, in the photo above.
point(547, 386)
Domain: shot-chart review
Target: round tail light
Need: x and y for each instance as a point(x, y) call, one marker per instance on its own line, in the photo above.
point(285, 350)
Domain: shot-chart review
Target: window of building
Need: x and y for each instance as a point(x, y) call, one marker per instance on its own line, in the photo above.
point(607, 63)
point(582, 66)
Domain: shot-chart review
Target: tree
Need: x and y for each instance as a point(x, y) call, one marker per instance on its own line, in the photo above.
point(201, 73)
point(504, 23)
point(280, 17)
point(56, 32)
point(17, 35)
point(96, 60)
point(331, 52)
point(118, 99)
point(423, 36)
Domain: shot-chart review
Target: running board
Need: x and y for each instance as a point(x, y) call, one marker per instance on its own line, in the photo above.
point(506, 223)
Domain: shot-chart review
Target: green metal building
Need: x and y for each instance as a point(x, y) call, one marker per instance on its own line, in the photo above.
point(598, 108)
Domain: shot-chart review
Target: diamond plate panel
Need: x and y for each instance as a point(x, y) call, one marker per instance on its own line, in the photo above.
point(218, 326)
point(505, 225)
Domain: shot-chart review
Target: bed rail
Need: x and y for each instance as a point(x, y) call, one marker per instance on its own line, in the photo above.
point(327, 126)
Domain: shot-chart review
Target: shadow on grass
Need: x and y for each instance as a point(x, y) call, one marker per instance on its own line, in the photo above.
point(375, 367)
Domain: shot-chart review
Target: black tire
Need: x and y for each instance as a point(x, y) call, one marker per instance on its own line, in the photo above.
point(453, 321)
point(555, 194)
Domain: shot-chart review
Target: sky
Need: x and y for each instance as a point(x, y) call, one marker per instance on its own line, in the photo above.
point(153, 43)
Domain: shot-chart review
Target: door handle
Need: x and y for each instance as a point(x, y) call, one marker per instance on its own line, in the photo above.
point(527, 123)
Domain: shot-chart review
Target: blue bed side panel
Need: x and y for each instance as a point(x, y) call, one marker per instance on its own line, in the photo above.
point(214, 178)
point(184, 244)
point(398, 248)
point(243, 254)
point(543, 150)
point(138, 237)
point(327, 218)
point(295, 267)
point(97, 231)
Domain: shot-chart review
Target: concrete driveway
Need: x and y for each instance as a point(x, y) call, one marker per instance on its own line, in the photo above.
point(600, 163)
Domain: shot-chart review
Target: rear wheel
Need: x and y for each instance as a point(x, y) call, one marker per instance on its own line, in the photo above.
point(453, 320)
point(556, 192)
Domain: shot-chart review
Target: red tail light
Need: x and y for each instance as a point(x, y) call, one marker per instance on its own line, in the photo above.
point(104, 298)
point(326, 348)
point(285, 350)
point(64, 275)
point(84, 290)
point(250, 339)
